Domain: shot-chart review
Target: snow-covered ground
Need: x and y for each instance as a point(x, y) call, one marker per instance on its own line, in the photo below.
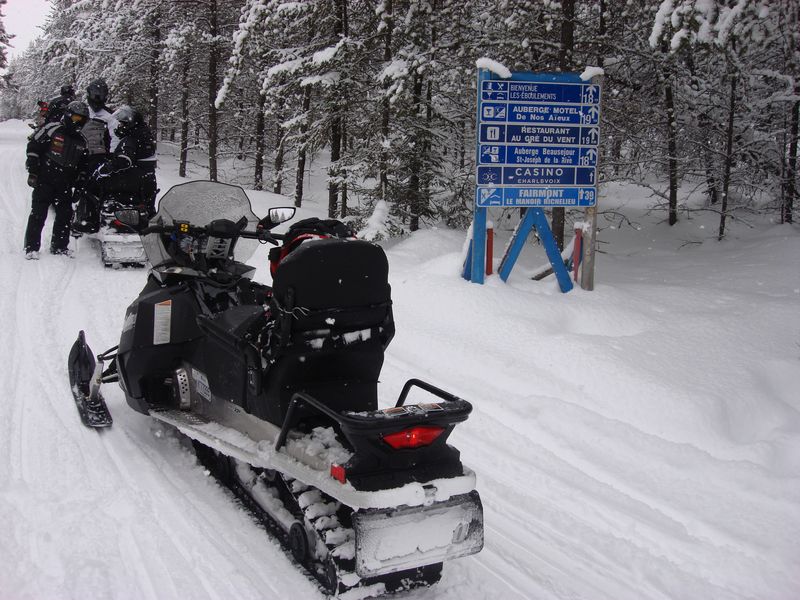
point(641, 441)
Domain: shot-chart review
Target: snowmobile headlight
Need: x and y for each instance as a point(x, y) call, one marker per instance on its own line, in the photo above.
point(128, 216)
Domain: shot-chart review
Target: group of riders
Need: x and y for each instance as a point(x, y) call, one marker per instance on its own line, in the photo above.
point(85, 146)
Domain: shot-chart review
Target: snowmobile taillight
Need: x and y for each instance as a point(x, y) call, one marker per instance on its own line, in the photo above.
point(338, 473)
point(413, 437)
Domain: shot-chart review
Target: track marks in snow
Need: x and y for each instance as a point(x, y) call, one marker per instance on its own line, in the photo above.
point(163, 471)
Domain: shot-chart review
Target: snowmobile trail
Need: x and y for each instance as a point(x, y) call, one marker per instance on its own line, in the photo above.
point(193, 512)
point(137, 524)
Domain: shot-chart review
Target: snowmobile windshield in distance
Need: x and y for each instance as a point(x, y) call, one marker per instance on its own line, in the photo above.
point(200, 203)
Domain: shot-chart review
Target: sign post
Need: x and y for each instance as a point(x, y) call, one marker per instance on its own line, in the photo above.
point(537, 148)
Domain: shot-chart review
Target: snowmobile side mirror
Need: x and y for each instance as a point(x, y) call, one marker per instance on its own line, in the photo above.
point(277, 215)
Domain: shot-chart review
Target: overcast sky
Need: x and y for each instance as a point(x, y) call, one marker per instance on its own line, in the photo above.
point(23, 19)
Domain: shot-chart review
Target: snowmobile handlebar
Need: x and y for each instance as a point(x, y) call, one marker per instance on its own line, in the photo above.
point(221, 229)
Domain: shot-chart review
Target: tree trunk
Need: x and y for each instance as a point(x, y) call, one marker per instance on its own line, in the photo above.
point(705, 126)
point(383, 166)
point(280, 146)
point(336, 120)
point(184, 155)
point(301, 149)
point(672, 136)
point(672, 150)
point(414, 188)
point(258, 177)
point(343, 212)
point(726, 178)
point(154, 75)
point(791, 171)
point(601, 33)
point(708, 160)
point(566, 50)
point(213, 59)
point(333, 170)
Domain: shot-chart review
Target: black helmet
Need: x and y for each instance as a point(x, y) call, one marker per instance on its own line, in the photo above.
point(67, 90)
point(128, 119)
point(97, 92)
point(75, 115)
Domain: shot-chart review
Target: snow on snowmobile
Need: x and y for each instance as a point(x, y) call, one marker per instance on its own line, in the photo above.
point(277, 388)
point(113, 217)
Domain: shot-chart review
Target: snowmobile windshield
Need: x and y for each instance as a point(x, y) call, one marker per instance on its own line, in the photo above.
point(199, 203)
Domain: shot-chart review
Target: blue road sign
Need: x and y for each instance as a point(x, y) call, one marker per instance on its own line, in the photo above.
point(515, 197)
point(538, 131)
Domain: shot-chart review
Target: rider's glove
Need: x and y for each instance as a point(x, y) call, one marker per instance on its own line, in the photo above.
point(32, 179)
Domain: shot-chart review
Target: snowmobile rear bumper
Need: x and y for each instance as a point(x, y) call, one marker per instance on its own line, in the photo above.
point(396, 539)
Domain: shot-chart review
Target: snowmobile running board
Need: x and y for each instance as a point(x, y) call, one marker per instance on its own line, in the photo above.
point(253, 441)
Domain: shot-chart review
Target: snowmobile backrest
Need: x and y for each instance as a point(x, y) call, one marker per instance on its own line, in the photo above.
point(333, 281)
point(333, 320)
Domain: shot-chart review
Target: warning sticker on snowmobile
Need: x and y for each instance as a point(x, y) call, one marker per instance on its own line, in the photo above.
point(201, 381)
point(395, 411)
point(162, 322)
point(430, 407)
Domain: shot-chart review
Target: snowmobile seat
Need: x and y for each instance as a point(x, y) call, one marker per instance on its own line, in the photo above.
point(331, 301)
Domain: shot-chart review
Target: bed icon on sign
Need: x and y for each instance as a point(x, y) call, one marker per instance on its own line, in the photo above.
point(490, 197)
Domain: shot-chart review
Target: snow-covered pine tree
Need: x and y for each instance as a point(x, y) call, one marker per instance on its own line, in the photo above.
point(5, 39)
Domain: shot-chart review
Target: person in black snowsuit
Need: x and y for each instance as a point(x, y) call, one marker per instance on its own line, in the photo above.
point(56, 159)
point(41, 115)
point(57, 105)
point(131, 168)
point(99, 130)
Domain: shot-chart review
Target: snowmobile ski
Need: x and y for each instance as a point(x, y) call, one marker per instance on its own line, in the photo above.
point(84, 380)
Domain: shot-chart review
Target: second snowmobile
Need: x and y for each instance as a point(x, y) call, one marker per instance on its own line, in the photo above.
point(113, 218)
point(277, 387)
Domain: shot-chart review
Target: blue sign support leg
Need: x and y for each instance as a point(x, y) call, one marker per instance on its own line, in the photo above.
point(478, 245)
point(535, 217)
point(550, 246)
point(466, 273)
point(517, 242)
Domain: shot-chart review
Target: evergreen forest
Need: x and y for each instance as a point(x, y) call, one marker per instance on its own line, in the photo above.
point(698, 95)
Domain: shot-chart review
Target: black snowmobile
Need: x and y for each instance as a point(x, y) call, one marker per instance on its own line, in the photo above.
point(277, 388)
point(113, 217)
